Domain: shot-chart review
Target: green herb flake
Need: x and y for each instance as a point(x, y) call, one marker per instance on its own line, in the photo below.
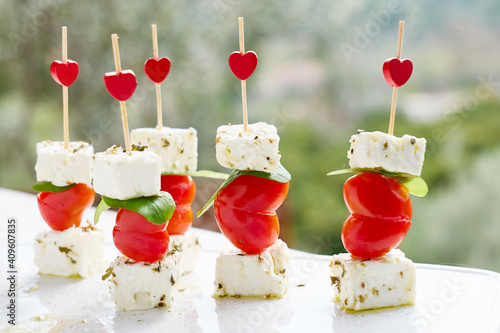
point(109, 271)
point(64, 249)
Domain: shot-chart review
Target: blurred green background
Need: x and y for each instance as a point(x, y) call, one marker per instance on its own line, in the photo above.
point(319, 79)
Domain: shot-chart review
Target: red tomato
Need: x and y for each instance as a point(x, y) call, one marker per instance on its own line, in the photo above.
point(245, 212)
point(139, 239)
point(380, 215)
point(369, 237)
point(183, 190)
point(63, 210)
point(253, 194)
point(376, 195)
point(251, 232)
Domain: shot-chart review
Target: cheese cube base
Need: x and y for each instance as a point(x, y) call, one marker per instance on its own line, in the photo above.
point(177, 147)
point(74, 252)
point(262, 275)
point(382, 150)
point(188, 247)
point(140, 285)
point(119, 175)
point(257, 149)
point(64, 167)
point(375, 283)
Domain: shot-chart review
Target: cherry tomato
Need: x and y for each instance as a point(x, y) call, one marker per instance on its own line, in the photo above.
point(139, 239)
point(369, 237)
point(254, 194)
point(183, 190)
point(62, 210)
point(380, 215)
point(376, 195)
point(245, 212)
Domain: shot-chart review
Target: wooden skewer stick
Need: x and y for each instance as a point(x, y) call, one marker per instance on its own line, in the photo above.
point(395, 88)
point(65, 90)
point(123, 108)
point(243, 82)
point(158, 85)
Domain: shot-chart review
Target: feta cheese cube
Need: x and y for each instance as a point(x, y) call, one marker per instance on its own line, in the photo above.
point(256, 149)
point(188, 247)
point(381, 150)
point(238, 274)
point(177, 147)
point(374, 283)
point(75, 252)
point(141, 285)
point(64, 167)
point(119, 175)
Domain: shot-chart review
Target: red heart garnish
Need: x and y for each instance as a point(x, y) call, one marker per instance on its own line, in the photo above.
point(122, 85)
point(397, 71)
point(243, 65)
point(64, 73)
point(157, 69)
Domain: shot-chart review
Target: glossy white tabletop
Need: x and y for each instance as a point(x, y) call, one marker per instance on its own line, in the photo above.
point(449, 299)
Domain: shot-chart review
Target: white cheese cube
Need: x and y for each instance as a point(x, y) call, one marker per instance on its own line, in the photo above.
point(381, 150)
point(374, 283)
point(238, 274)
point(75, 252)
point(188, 247)
point(119, 175)
point(257, 149)
point(64, 167)
point(141, 285)
point(177, 147)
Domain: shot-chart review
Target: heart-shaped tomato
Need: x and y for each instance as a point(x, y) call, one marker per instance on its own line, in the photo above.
point(157, 69)
point(397, 71)
point(64, 73)
point(243, 65)
point(120, 85)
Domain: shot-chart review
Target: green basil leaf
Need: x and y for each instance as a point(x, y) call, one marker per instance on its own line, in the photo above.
point(415, 184)
point(157, 209)
point(201, 173)
point(99, 209)
point(49, 187)
point(281, 175)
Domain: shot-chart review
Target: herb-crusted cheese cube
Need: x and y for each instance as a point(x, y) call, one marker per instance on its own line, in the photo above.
point(64, 167)
point(119, 175)
point(238, 274)
point(382, 150)
point(257, 149)
point(374, 283)
point(141, 285)
point(188, 247)
point(75, 252)
point(177, 147)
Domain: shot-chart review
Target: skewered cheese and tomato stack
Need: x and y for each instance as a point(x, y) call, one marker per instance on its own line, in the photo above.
point(245, 205)
point(146, 274)
point(178, 151)
point(64, 172)
point(374, 273)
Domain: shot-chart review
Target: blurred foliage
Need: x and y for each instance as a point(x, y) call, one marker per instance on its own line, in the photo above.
point(318, 80)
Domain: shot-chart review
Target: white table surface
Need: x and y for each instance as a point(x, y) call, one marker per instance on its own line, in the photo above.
point(449, 299)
